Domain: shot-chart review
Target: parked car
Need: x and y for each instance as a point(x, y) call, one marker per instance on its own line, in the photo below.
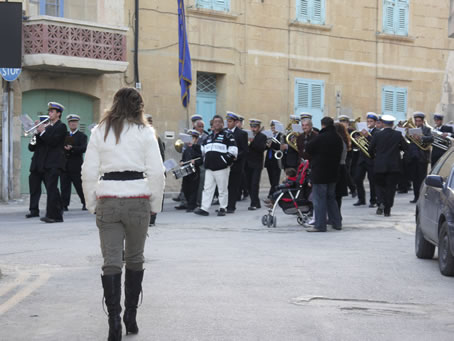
point(435, 215)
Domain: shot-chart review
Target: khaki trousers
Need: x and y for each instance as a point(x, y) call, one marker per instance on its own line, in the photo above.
point(122, 222)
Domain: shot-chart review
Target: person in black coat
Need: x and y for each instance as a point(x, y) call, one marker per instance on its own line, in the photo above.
point(326, 151)
point(385, 148)
point(53, 138)
point(192, 154)
point(445, 131)
point(237, 168)
point(418, 158)
point(366, 165)
point(75, 147)
point(273, 165)
point(291, 157)
point(254, 163)
point(36, 177)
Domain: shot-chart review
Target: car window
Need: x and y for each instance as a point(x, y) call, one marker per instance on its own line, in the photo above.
point(440, 163)
point(446, 168)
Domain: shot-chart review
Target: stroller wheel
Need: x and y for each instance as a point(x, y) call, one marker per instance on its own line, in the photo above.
point(265, 220)
point(300, 221)
point(269, 220)
point(274, 221)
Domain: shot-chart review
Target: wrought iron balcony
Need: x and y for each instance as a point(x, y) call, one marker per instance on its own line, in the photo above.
point(59, 43)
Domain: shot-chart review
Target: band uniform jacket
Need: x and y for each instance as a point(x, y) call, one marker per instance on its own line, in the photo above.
point(37, 164)
point(74, 156)
point(270, 160)
point(385, 147)
point(414, 152)
point(302, 142)
point(241, 139)
point(53, 141)
point(256, 151)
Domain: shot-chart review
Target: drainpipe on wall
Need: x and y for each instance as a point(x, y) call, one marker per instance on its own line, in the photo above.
point(6, 141)
point(136, 46)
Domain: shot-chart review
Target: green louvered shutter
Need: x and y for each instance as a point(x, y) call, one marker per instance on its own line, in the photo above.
point(394, 102)
point(302, 10)
point(401, 104)
point(401, 18)
point(317, 12)
point(221, 5)
point(309, 97)
point(204, 4)
point(388, 16)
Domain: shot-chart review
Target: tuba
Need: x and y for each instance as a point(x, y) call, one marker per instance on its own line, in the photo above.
point(361, 142)
point(409, 124)
point(291, 140)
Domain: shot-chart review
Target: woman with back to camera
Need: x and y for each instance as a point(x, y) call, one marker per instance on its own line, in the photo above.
point(123, 181)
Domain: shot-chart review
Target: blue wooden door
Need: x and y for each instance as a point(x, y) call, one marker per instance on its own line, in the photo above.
point(206, 106)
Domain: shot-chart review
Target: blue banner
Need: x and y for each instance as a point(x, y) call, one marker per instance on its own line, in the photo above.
point(184, 69)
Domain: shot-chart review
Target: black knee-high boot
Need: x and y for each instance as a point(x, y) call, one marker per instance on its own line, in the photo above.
point(112, 296)
point(133, 288)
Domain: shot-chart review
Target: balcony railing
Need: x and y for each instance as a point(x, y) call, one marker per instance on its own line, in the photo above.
point(74, 44)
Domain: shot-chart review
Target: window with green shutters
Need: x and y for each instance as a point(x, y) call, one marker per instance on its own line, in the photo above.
point(311, 11)
point(309, 97)
point(216, 5)
point(395, 17)
point(394, 102)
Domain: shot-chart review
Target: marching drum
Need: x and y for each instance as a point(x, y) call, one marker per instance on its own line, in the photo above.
point(184, 171)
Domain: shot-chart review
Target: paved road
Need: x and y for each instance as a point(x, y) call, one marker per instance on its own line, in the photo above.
point(229, 278)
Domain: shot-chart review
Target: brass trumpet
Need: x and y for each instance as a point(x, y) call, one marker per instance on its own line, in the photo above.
point(32, 129)
point(361, 142)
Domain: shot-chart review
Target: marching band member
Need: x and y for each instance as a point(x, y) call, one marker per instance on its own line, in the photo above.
point(75, 147)
point(366, 165)
point(192, 154)
point(244, 186)
point(291, 157)
point(254, 163)
point(52, 137)
point(237, 169)
point(220, 151)
point(124, 149)
point(447, 132)
point(419, 159)
point(379, 125)
point(385, 147)
point(37, 176)
point(271, 163)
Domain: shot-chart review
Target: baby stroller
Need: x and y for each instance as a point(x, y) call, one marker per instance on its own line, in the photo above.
point(293, 200)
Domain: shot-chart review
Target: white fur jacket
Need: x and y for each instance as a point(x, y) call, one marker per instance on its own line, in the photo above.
point(137, 150)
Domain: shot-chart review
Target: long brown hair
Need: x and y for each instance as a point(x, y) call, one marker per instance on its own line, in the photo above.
point(343, 132)
point(127, 106)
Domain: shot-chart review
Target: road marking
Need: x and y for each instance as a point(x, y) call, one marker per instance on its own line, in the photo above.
point(24, 293)
point(18, 281)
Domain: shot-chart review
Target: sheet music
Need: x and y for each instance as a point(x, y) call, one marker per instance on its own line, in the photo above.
point(403, 131)
point(279, 127)
point(297, 128)
point(268, 133)
point(170, 164)
point(186, 138)
point(360, 126)
point(415, 132)
point(27, 122)
point(250, 134)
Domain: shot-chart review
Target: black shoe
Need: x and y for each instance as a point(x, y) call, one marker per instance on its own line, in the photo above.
point(380, 210)
point(65, 208)
point(50, 220)
point(112, 295)
point(199, 211)
point(252, 208)
point(189, 210)
point(221, 212)
point(84, 208)
point(359, 203)
point(181, 207)
point(387, 214)
point(372, 205)
point(177, 199)
point(338, 228)
point(313, 229)
point(229, 210)
point(152, 220)
point(31, 215)
point(133, 288)
point(414, 201)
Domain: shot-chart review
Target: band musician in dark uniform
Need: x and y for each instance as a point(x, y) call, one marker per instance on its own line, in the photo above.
point(446, 131)
point(52, 138)
point(237, 168)
point(254, 163)
point(75, 147)
point(385, 148)
point(345, 120)
point(272, 164)
point(36, 177)
point(418, 158)
point(366, 165)
point(291, 158)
